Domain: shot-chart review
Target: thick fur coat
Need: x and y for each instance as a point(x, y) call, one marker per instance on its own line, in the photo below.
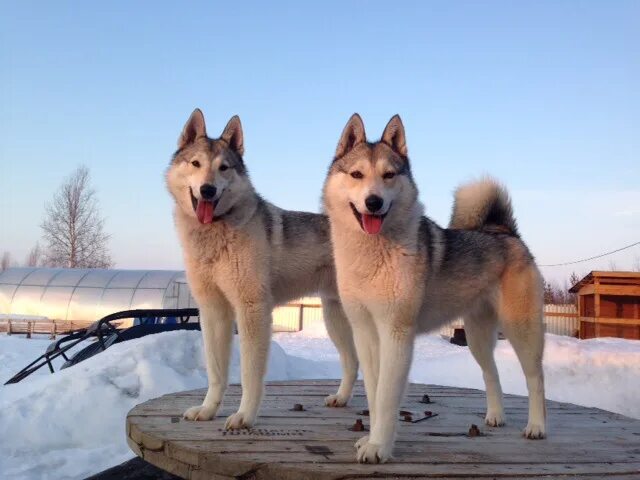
point(400, 274)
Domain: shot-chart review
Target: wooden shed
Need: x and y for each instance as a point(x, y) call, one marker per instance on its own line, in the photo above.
point(609, 304)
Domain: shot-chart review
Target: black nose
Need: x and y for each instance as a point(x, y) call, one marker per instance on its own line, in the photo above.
point(207, 191)
point(373, 203)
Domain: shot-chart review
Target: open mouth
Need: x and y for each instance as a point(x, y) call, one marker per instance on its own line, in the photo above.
point(371, 224)
point(204, 208)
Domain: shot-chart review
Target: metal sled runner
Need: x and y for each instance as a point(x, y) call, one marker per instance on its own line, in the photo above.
point(107, 334)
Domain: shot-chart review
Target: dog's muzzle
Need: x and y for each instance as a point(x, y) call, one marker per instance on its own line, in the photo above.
point(371, 224)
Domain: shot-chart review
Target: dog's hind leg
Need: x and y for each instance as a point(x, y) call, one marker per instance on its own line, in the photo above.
point(216, 322)
point(521, 315)
point(340, 333)
point(481, 331)
point(254, 329)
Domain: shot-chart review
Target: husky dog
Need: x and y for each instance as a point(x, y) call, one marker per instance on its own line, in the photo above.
point(400, 274)
point(243, 256)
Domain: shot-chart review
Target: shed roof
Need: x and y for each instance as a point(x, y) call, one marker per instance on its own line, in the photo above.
point(589, 278)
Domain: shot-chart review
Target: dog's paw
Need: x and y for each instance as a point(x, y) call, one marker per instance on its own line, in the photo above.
point(201, 413)
point(362, 441)
point(372, 453)
point(494, 419)
point(238, 421)
point(335, 400)
point(534, 431)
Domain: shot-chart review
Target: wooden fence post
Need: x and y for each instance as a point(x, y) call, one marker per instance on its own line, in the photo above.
point(300, 317)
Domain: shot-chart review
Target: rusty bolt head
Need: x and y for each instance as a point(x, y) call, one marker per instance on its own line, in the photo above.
point(408, 418)
point(428, 413)
point(474, 431)
point(298, 407)
point(425, 399)
point(358, 426)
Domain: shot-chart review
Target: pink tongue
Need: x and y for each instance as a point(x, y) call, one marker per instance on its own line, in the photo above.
point(204, 211)
point(371, 223)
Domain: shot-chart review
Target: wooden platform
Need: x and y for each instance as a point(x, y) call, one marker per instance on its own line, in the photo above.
point(317, 444)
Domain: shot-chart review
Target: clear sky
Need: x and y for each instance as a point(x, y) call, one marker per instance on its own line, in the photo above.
point(544, 95)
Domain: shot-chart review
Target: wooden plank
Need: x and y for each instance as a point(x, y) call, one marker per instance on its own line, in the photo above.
point(340, 464)
point(611, 320)
point(587, 290)
point(432, 452)
point(619, 290)
point(616, 274)
point(560, 314)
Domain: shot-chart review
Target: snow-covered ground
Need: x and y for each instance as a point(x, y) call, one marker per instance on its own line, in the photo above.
point(71, 424)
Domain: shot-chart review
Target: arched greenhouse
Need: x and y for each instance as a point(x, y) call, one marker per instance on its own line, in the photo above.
point(89, 294)
point(86, 295)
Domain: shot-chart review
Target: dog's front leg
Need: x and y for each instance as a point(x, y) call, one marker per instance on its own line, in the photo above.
point(341, 334)
point(216, 322)
point(396, 349)
point(254, 328)
point(367, 346)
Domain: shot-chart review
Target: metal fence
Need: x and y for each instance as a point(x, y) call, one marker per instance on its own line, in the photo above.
point(561, 320)
point(298, 314)
point(307, 313)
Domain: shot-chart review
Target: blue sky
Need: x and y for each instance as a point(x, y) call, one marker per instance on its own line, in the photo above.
point(543, 95)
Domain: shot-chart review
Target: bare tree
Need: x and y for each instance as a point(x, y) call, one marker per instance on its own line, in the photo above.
point(549, 296)
point(573, 279)
point(5, 261)
point(35, 257)
point(636, 264)
point(613, 266)
point(73, 227)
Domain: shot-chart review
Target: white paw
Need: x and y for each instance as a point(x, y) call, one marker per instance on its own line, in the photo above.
point(534, 431)
point(494, 418)
point(335, 400)
point(201, 413)
point(239, 420)
point(362, 441)
point(372, 453)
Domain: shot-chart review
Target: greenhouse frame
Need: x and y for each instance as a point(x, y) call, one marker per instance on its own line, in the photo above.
point(86, 295)
point(89, 294)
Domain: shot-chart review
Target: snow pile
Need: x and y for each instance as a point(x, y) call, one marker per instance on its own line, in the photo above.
point(72, 424)
point(602, 373)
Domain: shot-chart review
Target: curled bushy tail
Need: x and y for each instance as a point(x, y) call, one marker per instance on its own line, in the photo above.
point(483, 205)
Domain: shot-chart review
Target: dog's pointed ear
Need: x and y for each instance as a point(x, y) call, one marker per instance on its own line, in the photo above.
point(194, 128)
point(233, 135)
point(352, 135)
point(393, 135)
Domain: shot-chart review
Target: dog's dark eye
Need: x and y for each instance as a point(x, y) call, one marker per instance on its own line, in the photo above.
point(389, 175)
point(196, 163)
point(224, 167)
point(357, 174)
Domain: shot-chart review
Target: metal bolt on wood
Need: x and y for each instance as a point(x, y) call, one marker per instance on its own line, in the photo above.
point(297, 407)
point(358, 426)
point(425, 399)
point(474, 431)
